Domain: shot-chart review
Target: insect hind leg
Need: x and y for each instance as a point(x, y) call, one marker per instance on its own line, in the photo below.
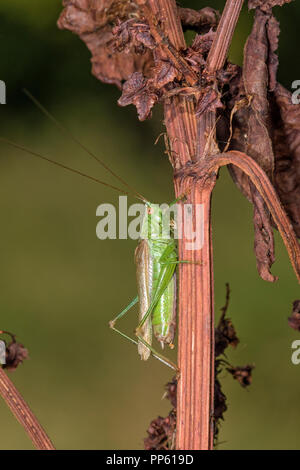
point(158, 356)
point(154, 353)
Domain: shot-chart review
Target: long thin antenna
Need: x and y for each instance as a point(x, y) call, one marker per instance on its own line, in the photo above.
point(73, 170)
point(83, 147)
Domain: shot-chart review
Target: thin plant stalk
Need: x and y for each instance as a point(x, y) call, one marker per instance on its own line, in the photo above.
point(23, 413)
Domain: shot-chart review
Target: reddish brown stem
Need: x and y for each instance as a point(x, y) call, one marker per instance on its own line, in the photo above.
point(23, 413)
point(196, 310)
point(196, 331)
point(219, 50)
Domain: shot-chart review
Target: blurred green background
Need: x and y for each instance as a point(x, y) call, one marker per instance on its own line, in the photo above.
point(60, 285)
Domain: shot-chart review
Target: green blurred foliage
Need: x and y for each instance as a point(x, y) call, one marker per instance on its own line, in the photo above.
point(60, 285)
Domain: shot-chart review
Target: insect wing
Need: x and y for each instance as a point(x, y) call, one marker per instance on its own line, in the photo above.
point(144, 284)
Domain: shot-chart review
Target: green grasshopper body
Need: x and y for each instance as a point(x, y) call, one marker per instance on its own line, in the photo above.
point(155, 260)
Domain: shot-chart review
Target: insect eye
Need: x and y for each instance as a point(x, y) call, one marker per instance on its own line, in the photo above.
point(149, 210)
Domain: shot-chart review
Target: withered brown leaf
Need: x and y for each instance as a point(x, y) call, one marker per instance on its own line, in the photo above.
point(252, 129)
point(210, 100)
point(264, 238)
point(145, 92)
point(137, 90)
point(225, 335)
point(196, 54)
point(283, 123)
point(201, 21)
point(286, 144)
point(171, 389)
point(273, 31)
point(266, 5)
point(93, 22)
point(219, 402)
point(164, 73)
point(202, 42)
point(256, 81)
point(133, 33)
point(161, 433)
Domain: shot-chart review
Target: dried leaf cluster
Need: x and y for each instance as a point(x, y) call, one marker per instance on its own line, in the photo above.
point(266, 5)
point(265, 124)
point(93, 21)
point(161, 431)
point(225, 336)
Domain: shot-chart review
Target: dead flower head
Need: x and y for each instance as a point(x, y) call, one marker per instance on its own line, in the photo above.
point(16, 353)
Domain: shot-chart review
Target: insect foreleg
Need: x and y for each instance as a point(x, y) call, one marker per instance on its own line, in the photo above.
point(121, 314)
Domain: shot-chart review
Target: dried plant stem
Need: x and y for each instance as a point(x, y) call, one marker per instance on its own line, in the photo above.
point(23, 413)
point(196, 306)
point(215, 61)
point(196, 332)
point(179, 113)
point(219, 50)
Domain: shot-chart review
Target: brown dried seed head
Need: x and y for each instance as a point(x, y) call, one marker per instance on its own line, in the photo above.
point(161, 433)
point(242, 374)
point(294, 319)
point(16, 353)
